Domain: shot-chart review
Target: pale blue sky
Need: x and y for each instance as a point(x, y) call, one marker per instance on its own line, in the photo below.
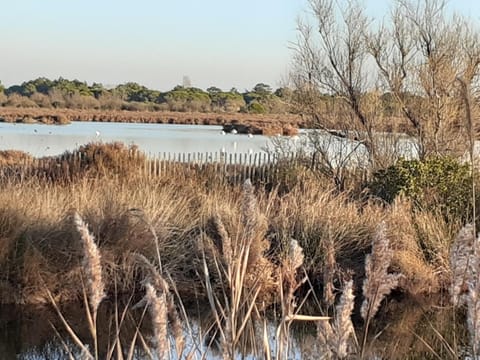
point(215, 42)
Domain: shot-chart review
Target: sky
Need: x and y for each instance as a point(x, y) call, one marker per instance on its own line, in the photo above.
point(223, 43)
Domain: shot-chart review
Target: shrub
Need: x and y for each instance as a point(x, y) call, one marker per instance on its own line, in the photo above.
point(256, 108)
point(434, 184)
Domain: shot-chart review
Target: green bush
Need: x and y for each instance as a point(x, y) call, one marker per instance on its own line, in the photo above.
point(256, 108)
point(436, 183)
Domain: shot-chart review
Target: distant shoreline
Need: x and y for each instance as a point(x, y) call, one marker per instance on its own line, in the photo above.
point(268, 124)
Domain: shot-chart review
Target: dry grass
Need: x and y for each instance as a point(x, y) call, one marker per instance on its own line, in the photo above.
point(39, 247)
point(35, 224)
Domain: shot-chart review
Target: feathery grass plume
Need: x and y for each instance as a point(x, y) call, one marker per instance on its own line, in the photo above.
point(158, 312)
point(335, 338)
point(160, 284)
point(292, 262)
point(378, 282)
point(226, 241)
point(249, 208)
point(290, 267)
point(91, 264)
point(461, 260)
point(295, 255)
point(325, 338)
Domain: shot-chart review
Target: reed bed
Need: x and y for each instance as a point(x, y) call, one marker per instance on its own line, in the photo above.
point(245, 250)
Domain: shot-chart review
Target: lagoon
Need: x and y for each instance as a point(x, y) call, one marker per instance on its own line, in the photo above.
point(50, 140)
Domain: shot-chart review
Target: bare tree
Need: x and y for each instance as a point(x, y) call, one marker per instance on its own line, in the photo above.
point(332, 75)
point(359, 78)
point(420, 58)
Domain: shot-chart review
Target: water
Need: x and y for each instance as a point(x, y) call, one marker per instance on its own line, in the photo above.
point(404, 330)
point(153, 139)
point(47, 140)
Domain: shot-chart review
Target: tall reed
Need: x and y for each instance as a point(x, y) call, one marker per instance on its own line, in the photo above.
point(246, 276)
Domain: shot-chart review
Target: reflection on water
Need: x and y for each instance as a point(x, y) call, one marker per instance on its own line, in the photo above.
point(47, 140)
point(405, 330)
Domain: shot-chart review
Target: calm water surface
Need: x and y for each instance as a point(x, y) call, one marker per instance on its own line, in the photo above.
point(46, 140)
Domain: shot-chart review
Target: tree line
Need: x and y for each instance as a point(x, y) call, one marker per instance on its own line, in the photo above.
point(75, 94)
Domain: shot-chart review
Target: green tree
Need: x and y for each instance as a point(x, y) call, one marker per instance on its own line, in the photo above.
point(262, 89)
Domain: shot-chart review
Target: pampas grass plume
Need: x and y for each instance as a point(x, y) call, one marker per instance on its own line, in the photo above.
point(91, 264)
point(335, 338)
point(249, 208)
point(378, 282)
point(158, 312)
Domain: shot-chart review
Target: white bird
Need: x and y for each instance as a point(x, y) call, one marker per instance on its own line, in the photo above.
point(97, 133)
point(250, 151)
point(222, 132)
point(250, 135)
point(234, 131)
point(223, 150)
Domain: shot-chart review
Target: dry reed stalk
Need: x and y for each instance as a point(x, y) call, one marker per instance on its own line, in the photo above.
point(159, 312)
point(91, 265)
point(461, 255)
point(334, 339)
point(378, 282)
point(247, 276)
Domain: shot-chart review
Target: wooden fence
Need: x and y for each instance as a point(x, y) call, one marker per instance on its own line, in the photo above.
point(225, 167)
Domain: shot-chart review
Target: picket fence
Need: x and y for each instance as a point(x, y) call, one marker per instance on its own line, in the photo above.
point(225, 167)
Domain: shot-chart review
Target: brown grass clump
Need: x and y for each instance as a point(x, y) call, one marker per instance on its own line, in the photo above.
point(421, 275)
point(330, 227)
point(110, 158)
point(13, 157)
